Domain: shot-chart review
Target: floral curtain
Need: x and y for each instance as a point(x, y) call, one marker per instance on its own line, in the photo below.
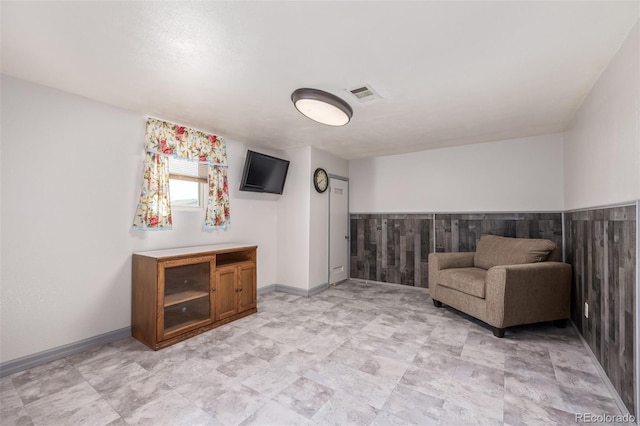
point(154, 209)
point(164, 140)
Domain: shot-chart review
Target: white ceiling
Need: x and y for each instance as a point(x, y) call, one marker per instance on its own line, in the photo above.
point(448, 73)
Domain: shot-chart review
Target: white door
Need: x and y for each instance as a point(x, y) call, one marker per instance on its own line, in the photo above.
point(338, 230)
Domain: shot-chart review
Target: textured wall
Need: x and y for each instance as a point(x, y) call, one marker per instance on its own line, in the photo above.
point(391, 248)
point(492, 176)
point(394, 248)
point(601, 246)
point(602, 144)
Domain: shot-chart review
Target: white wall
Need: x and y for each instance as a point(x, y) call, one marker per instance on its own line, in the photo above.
point(512, 175)
point(303, 219)
point(602, 146)
point(71, 176)
point(293, 222)
point(319, 216)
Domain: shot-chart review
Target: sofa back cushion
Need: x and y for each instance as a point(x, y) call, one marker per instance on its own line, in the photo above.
point(494, 251)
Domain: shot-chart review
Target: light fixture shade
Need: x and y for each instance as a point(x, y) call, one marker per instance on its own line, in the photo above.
point(322, 107)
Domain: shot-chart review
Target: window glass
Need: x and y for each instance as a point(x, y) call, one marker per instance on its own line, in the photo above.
point(187, 180)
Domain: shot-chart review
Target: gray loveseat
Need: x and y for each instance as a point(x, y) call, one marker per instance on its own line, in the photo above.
point(505, 282)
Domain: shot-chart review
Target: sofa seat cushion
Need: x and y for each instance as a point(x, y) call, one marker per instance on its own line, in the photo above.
point(498, 251)
point(466, 280)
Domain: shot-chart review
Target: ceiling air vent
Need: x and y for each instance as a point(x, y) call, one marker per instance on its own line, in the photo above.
point(364, 94)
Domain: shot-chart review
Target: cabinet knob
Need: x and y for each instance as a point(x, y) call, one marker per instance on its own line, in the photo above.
point(213, 290)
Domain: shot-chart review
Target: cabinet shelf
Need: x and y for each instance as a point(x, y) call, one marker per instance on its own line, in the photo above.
point(184, 296)
point(235, 258)
point(231, 262)
point(182, 325)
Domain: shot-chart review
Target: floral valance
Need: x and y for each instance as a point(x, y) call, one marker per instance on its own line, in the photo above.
point(179, 141)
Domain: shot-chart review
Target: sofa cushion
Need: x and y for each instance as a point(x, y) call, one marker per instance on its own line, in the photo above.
point(466, 280)
point(495, 251)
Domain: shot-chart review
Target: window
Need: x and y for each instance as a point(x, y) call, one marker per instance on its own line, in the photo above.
point(187, 182)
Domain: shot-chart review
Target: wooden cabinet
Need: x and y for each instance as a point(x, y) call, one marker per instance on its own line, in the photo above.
point(247, 287)
point(236, 289)
point(178, 293)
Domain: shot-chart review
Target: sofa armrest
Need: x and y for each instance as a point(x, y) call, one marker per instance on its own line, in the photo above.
point(527, 293)
point(439, 261)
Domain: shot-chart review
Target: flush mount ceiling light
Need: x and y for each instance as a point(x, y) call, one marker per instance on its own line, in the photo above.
point(322, 107)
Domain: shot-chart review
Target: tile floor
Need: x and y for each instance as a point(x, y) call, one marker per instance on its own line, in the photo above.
point(356, 354)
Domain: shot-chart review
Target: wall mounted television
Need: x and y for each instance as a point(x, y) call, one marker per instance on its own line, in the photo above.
point(264, 173)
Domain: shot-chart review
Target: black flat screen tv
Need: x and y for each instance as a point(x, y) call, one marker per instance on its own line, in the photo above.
point(264, 173)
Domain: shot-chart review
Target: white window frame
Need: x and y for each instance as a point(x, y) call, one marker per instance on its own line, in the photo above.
point(202, 189)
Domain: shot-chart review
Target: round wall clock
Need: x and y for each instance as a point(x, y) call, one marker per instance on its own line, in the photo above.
point(320, 180)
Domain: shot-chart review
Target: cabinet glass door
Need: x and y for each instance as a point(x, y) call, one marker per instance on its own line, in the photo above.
point(187, 296)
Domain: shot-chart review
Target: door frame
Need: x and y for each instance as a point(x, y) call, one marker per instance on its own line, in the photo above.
point(346, 179)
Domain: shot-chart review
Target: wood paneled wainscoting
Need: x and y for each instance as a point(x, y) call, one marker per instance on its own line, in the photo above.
point(601, 246)
point(461, 232)
point(391, 248)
